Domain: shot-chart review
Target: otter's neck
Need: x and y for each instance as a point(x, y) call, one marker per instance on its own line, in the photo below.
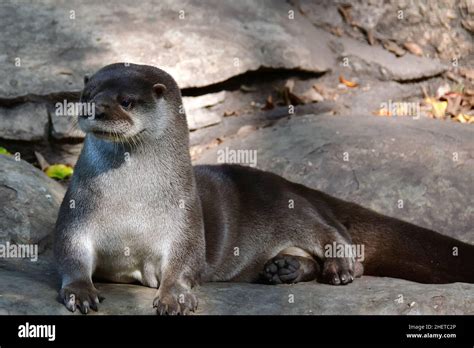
point(166, 155)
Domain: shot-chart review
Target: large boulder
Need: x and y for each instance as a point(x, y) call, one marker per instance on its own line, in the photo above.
point(29, 203)
point(232, 38)
point(90, 35)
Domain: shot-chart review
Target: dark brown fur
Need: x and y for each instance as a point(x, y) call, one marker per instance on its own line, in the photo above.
point(211, 223)
point(254, 202)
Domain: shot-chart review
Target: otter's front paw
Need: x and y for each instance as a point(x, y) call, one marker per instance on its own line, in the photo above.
point(338, 271)
point(175, 301)
point(80, 294)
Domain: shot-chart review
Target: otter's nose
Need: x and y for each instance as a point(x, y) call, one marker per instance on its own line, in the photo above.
point(99, 111)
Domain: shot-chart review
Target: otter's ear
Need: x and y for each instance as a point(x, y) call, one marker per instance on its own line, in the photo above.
point(159, 89)
point(86, 79)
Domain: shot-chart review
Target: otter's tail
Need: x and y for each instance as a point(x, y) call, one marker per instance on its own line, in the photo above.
point(394, 248)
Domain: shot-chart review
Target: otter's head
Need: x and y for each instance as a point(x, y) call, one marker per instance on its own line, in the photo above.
point(128, 100)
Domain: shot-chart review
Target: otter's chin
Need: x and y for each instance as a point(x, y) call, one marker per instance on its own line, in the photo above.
point(106, 135)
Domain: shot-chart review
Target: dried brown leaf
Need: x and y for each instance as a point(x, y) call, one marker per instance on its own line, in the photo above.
point(348, 83)
point(413, 48)
point(345, 11)
point(230, 113)
point(269, 103)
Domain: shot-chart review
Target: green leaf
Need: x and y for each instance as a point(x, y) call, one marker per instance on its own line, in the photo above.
point(59, 171)
point(4, 151)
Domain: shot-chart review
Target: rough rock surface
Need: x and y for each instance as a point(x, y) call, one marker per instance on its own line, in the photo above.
point(377, 162)
point(367, 295)
point(29, 202)
point(89, 34)
point(27, 122)
point(387, 160)
point(65, 127)
point(441, 28)
point(198, 111)
point(408, 67)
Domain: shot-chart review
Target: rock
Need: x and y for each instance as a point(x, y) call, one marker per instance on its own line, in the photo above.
point(198, 110)
point(407, 67)
point(468, 25)
point(204, 101)
point(389, 159)
point(399, 21)
point(366, 102)
point(200, 118)
point(28, 122)
point(246, 130)
point(320, 13)
point(367, 295)
point(199, 45)
point(311, 96)
point(468, 6)
point(467, 73)
point(230, 126)
point(64, 127)
point(29, 203)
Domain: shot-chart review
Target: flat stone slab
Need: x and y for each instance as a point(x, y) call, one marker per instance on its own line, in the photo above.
point(199, 111)
point(376, 162)
point(405, 68)
point(47, 47)
point(367, 295)
point(26, 122)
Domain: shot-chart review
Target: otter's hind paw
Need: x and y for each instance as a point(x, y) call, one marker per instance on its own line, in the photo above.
point(282, 269)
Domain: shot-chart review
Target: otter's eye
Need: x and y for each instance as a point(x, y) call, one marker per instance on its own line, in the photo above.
point(126, 103)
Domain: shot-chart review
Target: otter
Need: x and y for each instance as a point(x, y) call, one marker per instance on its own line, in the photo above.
point(137, 211)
